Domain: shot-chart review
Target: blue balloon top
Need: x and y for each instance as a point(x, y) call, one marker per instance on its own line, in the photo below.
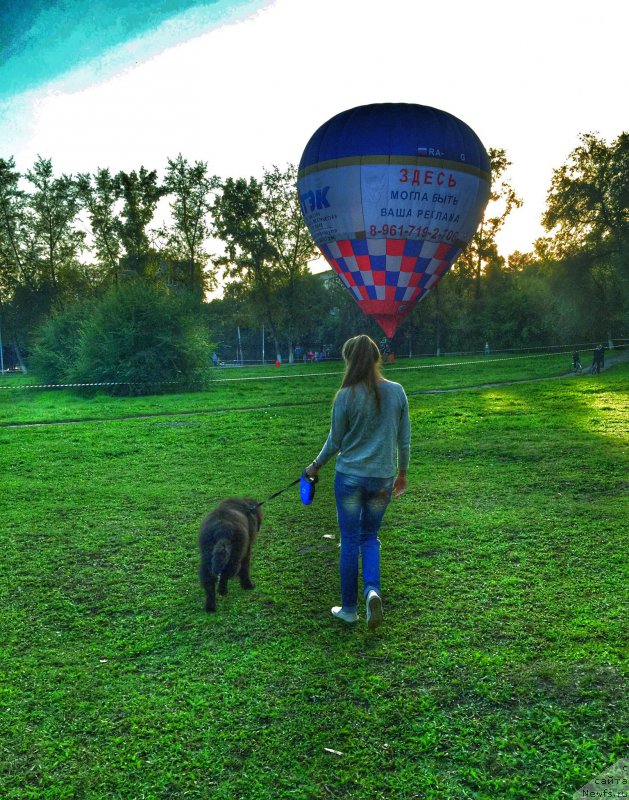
point(395, 129)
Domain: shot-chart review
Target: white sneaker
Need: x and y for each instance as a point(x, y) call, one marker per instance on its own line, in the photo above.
point(374, 610)
point(346, 616)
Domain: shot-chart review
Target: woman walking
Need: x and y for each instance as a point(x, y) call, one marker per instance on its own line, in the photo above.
point(371, 433)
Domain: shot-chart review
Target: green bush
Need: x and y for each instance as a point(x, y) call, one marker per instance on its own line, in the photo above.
point(57, 343)
point(139, 337)
point(145, 340)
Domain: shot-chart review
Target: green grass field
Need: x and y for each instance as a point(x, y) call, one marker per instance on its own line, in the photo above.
point(498, 673)
point(255, 386)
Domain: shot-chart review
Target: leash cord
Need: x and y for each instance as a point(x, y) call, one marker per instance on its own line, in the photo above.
point(281, 491)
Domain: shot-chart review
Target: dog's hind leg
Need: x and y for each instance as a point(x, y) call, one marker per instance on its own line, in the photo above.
point(208, 581)
point(222, 583)
point(245, 580)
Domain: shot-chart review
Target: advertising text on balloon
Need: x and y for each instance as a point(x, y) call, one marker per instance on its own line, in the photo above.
point(427, 177)
point(444, 199)
point(311, 201)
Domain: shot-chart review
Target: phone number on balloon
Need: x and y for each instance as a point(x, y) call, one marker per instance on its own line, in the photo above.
point(414, 231)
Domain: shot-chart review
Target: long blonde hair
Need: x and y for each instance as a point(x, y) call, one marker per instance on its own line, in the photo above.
point(363, 364)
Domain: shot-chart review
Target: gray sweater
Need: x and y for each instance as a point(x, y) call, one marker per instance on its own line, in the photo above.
point(368, 441)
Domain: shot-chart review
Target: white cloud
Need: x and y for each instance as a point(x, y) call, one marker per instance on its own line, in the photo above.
point(526, 77)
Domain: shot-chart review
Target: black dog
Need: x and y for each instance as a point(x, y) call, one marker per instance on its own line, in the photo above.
point(226, 537)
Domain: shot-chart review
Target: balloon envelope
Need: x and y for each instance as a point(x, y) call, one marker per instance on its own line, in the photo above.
point(391, 193)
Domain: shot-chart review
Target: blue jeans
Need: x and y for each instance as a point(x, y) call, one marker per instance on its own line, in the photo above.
point(360, 505)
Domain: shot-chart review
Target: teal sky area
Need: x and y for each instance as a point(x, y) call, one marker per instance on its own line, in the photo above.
point(243, 84)
point(42, 40)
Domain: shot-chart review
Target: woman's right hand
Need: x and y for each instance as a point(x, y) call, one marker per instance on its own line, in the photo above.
point(400, 484)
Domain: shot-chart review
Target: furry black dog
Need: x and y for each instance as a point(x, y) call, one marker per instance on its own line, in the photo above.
point(226, 537)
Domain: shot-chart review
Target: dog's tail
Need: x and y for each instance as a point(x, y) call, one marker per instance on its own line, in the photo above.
point(220, 555)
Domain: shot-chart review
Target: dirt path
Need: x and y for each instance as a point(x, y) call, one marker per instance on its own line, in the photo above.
point(586, 371)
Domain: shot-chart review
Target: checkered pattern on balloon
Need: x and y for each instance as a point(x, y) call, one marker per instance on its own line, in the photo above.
point(388, 277)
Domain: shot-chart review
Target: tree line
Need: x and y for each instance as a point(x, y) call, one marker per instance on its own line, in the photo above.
point(69, 239)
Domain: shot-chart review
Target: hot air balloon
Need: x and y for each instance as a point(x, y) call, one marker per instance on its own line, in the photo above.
point(392, 193)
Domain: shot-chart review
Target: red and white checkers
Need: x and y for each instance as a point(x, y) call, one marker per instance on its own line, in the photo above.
point(388, 276)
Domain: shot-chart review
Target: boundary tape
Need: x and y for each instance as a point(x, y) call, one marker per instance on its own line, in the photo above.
point(287, 376)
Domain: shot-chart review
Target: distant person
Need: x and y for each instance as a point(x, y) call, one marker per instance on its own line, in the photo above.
point(215, 359)
point(487, 349)
point(598, 359)
point(311, 356)
point(576, 361)
point(297, 353)
point(371, 433)
point(388, 357)
point(320, 355)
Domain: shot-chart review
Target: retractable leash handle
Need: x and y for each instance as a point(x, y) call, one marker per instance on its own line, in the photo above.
point(306, 490)
point(307, 485)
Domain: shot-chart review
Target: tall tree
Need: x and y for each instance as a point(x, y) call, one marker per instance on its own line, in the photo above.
point(190, 189)
point(14, 229)
point(14, 236)
point(588, 200)
point(249, 257)
point(267, 245)
point(54, 204)
point(587, 216)
point(482, 249)
point(140, 193)
point(295, 248)
point(100, 198)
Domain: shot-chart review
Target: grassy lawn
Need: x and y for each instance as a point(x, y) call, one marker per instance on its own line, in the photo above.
point(499, 671)
point(245, 387)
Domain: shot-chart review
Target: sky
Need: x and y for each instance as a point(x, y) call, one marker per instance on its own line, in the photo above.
point(243, 84)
